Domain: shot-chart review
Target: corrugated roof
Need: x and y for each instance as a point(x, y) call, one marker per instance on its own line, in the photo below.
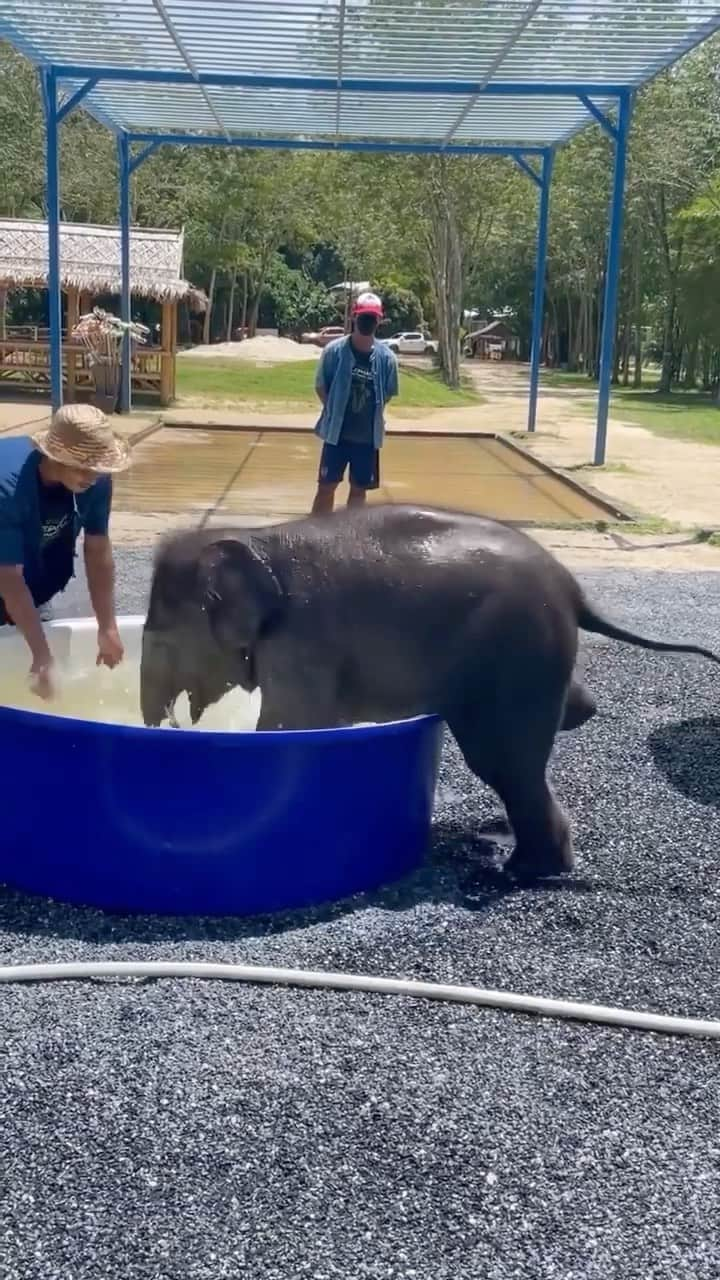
point(464, 72)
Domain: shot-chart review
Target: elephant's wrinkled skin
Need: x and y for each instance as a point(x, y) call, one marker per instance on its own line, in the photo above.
point(379, 614)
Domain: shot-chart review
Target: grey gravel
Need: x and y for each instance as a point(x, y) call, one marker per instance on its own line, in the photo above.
point(194, 1131)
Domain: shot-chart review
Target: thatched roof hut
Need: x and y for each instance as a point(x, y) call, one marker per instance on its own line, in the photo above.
point(90, 267)
point(90, 260)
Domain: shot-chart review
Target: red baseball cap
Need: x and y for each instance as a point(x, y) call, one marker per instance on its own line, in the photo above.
point(368, 304)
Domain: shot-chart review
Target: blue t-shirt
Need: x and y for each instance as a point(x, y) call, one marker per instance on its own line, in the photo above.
point(39, 525)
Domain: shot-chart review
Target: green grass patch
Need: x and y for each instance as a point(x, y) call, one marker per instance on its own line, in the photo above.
point(644, 526)
point(682, 415)
point(608, 468)
point(238, 382)
point(425, 389)
point(561, 380)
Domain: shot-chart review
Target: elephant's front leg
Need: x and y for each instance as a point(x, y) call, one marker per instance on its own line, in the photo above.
point(298, 683)
point(302, 703)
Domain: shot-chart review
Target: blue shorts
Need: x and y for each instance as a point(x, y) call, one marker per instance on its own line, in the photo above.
point(363, 461)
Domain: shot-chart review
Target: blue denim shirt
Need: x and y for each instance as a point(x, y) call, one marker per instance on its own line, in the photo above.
point(334, 377)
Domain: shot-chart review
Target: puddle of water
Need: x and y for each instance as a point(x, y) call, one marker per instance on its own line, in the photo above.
point(248, 471)
point(113, 697)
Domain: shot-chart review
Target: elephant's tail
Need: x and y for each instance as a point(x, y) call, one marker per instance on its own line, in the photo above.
point(589, 620)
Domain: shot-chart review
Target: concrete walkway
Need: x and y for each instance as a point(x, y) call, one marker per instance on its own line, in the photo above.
point(674, 480)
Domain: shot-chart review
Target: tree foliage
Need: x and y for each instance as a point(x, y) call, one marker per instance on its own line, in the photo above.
point(298, 303)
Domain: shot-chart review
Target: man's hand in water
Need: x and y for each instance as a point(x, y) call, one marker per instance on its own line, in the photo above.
point(110, 647)
point(41, 679)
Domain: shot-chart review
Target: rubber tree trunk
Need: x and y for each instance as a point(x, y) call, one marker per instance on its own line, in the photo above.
point(706, 358)
point(691, 363)
point(207, 321)
point(231, 307)
point(637, 313)
point(253, 310)
point(627, 334)
point(598, 327)
point(243, 313)
point(447, 283)
point(617, 357)
point(668, 357)
point(571, 337)
point(672, 260)
point(552, 346)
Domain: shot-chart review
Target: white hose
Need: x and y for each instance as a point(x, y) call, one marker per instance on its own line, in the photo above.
point(627, 1018)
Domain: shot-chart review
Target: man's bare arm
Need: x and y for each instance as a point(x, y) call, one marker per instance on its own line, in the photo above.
point(20, 608)
point(100, 570)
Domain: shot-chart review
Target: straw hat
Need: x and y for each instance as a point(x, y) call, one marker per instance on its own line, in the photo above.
point(80, 435)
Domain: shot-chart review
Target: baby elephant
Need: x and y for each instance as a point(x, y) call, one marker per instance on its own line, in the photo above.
point(380, 614)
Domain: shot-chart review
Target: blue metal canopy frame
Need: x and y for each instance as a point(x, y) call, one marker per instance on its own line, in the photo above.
point(182, 93)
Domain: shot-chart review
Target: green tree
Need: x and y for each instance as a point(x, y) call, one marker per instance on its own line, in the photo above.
point(88, 168)
point(298, 303)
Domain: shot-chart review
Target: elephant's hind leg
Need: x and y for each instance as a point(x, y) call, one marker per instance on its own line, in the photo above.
point(580, 706)
point(510, 754)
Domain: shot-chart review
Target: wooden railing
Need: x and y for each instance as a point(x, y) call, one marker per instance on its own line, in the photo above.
point(30, 332)
point(25, 362)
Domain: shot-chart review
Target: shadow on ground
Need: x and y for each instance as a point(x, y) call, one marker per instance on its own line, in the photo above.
point(688, 754)
point(463, 868)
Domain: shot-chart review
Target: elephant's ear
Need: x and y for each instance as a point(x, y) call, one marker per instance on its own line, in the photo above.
point(241, 593)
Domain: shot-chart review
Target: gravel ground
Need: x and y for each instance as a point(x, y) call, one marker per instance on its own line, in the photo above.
point(190, 1131)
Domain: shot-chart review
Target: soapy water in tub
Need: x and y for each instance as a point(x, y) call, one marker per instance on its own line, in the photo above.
point(113, 697)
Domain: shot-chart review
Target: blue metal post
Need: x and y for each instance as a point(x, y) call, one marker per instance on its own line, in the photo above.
point(49, 93)
point(612, 277)
point(539, 294)
point(125, 306)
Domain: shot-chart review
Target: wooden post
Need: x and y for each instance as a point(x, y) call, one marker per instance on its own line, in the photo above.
point(85, 305)
point(73, 315)
point(173, 362)
point(167, 353)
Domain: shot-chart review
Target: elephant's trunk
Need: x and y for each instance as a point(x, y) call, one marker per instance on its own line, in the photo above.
point(159, 685)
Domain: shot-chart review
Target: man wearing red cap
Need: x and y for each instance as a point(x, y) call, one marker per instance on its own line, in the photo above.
point(356, 377)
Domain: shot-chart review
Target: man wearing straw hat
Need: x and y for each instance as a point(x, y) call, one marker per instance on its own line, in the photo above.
point(53, 485)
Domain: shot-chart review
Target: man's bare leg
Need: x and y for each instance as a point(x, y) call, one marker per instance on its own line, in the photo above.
point(324, 500)
point(357, 497)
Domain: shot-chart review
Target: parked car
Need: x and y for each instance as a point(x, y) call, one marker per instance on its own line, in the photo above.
point(412, 343)
point(324, 336)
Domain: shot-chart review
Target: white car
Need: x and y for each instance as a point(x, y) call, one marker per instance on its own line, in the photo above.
point(412, 343)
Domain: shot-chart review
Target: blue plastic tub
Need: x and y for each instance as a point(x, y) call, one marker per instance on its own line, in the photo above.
point(177, 822)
